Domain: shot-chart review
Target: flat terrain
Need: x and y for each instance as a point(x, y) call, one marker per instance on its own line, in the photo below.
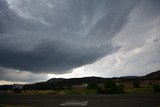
point(123, 100)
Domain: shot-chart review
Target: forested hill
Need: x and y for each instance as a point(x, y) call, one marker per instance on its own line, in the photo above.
point(78, 80)
point(153, 75)
point(60, 82)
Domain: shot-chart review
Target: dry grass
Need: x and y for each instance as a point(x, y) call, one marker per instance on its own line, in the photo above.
point(141, 90)
point(128, 90)
point(14, 106)
point(54, 92)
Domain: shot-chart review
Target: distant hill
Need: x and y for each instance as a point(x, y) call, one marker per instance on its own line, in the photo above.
point(130, 77)
point(60, 82)
point(153, 75)
point(77, 80)
point(54, 80)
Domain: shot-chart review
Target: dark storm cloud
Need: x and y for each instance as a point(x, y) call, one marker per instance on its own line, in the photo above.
point(55, 56)
point(56, 36)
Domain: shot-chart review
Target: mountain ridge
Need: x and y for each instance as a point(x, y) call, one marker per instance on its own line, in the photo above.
point(153, 75)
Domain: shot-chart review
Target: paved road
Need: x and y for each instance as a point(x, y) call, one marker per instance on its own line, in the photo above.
point(125, 100)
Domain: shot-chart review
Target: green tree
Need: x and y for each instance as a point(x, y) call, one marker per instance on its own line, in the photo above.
point(110, 87)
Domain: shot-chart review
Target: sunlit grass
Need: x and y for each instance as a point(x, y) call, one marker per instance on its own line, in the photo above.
point(14, 106)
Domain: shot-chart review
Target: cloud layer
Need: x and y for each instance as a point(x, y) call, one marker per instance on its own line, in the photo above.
point(78, 37)
point(56, 36)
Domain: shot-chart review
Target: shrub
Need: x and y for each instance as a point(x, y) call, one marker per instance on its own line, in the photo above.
point(100, 90)
point(92, 86)
point(156, 88)
point(110, 88)
point(136, 84)
point(69, 87)
point(150, 83)
point(120, 90)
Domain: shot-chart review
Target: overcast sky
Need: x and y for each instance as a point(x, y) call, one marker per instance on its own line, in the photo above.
point(42, 39)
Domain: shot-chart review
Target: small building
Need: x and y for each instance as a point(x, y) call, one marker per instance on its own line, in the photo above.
point(17, 88)
point(84, 85)
point(80, 86)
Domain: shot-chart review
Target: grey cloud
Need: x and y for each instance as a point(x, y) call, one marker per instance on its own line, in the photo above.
point(139, 41)
point(55, 56)
point(56, 36)
point(16, 75)
point(151, 7)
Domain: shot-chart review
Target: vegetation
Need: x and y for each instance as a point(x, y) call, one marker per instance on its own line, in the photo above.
point(136, 84)
point(110, 88)
point(156, 88)
point(92, 86)
point(141, 90)
point(1, 105)
point(95, 85)
point(100, 90)
point(59, 92)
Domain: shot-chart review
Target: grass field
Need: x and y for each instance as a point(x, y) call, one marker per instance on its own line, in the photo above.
point(14, 106)
point(141, 90)
point(55, 92)
point(128, 90)
point(131, 90)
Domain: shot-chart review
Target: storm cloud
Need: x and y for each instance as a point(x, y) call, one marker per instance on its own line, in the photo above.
point(40, 39)
point(19, 76)
point(56, 36)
